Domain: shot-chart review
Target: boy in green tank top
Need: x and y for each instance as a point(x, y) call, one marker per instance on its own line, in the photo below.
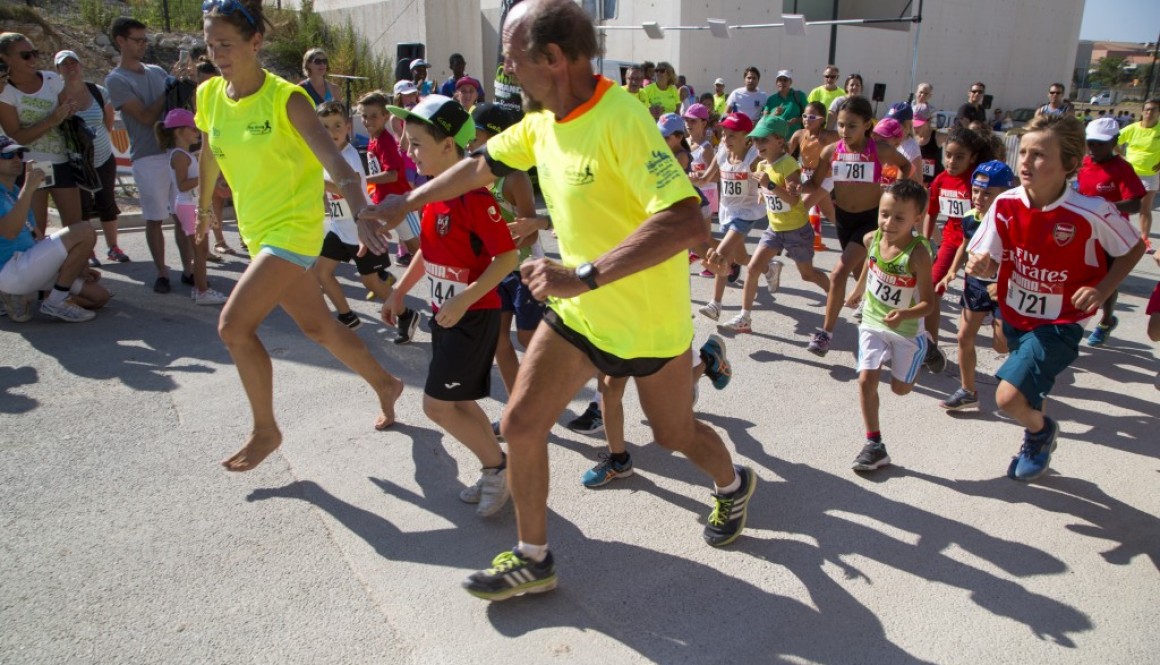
point(898, 292)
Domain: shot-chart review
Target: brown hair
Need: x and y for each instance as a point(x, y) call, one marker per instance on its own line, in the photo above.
point(166, 138)
point(239, 20)
point(310, 55)
point(375, 98)
point(326, 109)
point(1069, 132)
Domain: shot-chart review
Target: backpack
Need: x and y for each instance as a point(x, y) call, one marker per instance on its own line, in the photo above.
point(180, 93)
point(78, 140)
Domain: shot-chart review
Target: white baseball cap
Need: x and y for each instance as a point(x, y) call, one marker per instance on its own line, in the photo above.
point(405, 87)
point(61, 56)
point(1102, 129)
point(784, 73)
point(719, 81)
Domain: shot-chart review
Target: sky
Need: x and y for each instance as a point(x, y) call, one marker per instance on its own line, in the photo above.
point(1121, 20)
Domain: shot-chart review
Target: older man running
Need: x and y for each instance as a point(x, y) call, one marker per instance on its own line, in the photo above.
point(625, 214)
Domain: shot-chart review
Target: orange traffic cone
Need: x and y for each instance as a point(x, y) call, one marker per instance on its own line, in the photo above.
point(816, 222)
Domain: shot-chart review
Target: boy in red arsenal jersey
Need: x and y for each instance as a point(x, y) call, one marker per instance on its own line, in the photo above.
point(1106, 175)
point(1038, 239)
point(466, 250)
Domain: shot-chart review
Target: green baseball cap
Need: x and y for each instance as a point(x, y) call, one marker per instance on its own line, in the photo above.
point(442, 112)
point(770, 126)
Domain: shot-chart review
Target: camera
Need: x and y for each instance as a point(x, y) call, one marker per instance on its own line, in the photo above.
point(49, 174)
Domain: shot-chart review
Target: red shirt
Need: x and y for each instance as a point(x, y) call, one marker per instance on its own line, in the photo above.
point(1049, 254)
point(458, 239)
point(950, 195)
point(1113, 179)
point(383, 157)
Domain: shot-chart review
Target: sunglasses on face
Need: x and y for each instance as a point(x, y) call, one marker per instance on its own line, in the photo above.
point(810, 117)
point(320, 61)
point(830, 76)
point(29, 55)
point(228, 8)
point(12, 155)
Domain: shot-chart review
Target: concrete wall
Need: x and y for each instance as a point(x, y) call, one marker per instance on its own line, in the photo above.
point(1016, 48)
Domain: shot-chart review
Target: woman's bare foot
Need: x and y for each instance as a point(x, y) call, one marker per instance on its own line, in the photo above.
point(262, 442)
point(387, 401)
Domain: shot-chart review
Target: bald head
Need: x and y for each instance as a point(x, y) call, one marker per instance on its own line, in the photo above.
point(560, 22)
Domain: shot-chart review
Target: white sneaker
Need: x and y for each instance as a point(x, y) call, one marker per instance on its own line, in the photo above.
point(773, 275)
point(66, 311)
point(493, 492)
point(18, 307)
point(738, 324)
point(471, 493)
point(208, 297)
point(857, 315)
point(711, 311)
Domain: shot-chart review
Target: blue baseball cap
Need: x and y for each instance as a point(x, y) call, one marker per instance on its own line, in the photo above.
point(671, 123)
point(901, 112)
point(993, 174)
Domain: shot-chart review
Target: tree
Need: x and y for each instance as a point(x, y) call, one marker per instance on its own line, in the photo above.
point(1109, 72)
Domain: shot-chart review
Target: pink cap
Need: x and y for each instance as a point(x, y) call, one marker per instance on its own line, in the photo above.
point(888, 128)
point(178, 118)
point(738, 122)
point(467, 80)
point(697, 111)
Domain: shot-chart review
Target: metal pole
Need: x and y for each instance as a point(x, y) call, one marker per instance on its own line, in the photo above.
point(914, 50)
point(834, 36)
point(1152, 76)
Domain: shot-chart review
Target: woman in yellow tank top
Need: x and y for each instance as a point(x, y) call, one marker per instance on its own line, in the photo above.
point(262, 133)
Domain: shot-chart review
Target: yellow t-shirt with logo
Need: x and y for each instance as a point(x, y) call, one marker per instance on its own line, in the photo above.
point(669, 98)
point(782, 215)
point(603, 170)
point(275, 178)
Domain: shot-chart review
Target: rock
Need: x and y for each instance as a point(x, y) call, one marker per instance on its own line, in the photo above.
point(102, 40)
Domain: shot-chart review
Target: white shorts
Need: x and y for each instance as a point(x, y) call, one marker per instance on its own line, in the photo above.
point(1151, 182)
point(36, 269)
point(905, 355)
point(151, 174)
point(409, 229)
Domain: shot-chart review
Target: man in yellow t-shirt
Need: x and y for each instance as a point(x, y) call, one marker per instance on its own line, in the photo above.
point(719, 97)
point(634, 83)
point(625, 214)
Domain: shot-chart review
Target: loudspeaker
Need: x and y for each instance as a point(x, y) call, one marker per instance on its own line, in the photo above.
point(879, 92)
point(987, 99)
point(404, 54)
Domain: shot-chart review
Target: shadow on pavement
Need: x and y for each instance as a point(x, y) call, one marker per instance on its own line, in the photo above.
point(14, 377)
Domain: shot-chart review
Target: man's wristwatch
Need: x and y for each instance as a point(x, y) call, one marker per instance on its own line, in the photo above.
point(586, 272)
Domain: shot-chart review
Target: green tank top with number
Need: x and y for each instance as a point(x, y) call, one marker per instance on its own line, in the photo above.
point(890, 285)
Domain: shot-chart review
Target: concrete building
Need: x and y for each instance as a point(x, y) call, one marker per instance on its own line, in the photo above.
point(1016, 48)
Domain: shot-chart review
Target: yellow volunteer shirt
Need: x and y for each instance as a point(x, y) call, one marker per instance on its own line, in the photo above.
point(275, 177)
point(669, 98)
point(782, 215)
point(604, 170)
point(1143, 151)
point(639, 94)
point(827, 97)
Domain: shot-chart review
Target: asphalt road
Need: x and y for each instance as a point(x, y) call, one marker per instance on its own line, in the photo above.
point(122, 540)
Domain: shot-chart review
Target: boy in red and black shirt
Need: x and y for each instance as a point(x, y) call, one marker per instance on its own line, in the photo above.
point(1106, 175)
point(465, 250)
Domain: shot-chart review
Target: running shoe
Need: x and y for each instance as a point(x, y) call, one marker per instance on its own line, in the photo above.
point(819, 343)
point(349, 319)
point(727, 520)
point(857, 315)
point(773, 275)
point(606, 471)
point(589, 422)
point(708, 273)
point(873, 456)
point(694, 257)
point(161, 285)
point(935, 360)
point(961, 400)
point(710, 311)
point(117, 256)
point(93, 261)
point(493, 492)
point(19, 307)
point(404, 260)
point(512, 575)
point(1035, 454)
point(187, 279)
point(408, 322)
point(734, 273)
point(213, 257)
point(717, 366)
point(738, 324)
point(223, 248)
point(1102, 332)
point(66, 311)
point(496, 432)
point(209, 297)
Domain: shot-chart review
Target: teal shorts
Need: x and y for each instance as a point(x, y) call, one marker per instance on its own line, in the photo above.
point(297, 259)
point(1038, 356)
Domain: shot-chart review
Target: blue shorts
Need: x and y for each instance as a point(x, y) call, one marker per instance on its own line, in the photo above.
point(297, 259)
point(1038, 356)
point(742, 226)
point(975, 297)
point(518, 298)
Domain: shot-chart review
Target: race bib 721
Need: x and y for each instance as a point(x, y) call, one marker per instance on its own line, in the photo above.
point(1033, 304)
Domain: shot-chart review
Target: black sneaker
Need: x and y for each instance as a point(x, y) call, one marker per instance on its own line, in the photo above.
point(187, 279)
point(161, 285)
point(408, 321)
point(935, 360)
point(404, 260)
point(496, 432)
point(350, 320)
point(589, 422)
point(512, 575)
point(727, 520)
point(873, 456)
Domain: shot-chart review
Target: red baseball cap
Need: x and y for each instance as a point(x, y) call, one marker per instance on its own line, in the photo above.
point(738, 122)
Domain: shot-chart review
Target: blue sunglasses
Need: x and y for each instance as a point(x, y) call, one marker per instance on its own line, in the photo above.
point(228, 7)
